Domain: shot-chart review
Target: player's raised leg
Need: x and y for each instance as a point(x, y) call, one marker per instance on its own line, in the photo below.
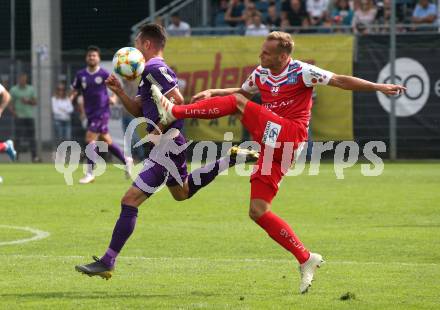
point(214, 107)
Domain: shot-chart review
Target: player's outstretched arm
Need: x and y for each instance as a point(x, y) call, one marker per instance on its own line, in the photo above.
point(353, 83)
point(218, 93)
point(133, 105)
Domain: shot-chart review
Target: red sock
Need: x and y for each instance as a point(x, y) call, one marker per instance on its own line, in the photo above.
point(2, 146)
point(214, 107)
point(281, 232)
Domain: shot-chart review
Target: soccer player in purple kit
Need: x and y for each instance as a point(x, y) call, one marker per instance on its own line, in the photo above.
point(151, 41)
point(90, 82)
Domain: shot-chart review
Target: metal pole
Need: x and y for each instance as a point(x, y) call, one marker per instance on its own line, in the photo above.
point(393, 131)
point(39, 103)
point(12, 37)
point(204, 13)
point(152, 10)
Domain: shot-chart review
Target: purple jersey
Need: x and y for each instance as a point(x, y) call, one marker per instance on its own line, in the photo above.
point(156, 72)
point(94, 91)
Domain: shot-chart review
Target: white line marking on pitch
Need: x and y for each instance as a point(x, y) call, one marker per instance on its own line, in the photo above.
point(225, 260)
point(38, 235)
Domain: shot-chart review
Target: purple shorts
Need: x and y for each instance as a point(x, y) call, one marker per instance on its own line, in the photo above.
point(153, 175)
point(98, 124)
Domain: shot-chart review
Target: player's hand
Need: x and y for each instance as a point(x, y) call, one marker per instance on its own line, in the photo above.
point(391, 89)
point(113, 83)
point(202, 95)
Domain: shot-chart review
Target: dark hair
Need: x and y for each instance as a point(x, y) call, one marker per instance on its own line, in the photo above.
point(155, 33)
point(93, 48)
point(175, 15)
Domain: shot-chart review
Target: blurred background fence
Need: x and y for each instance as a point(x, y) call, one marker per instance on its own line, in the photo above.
point(46, 39)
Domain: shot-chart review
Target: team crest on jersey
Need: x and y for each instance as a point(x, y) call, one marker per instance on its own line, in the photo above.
point(98, 80)
point(264, 74)
point(84, 82)
point(275, 90)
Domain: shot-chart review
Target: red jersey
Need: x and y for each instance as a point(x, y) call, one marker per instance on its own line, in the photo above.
point(288, 94)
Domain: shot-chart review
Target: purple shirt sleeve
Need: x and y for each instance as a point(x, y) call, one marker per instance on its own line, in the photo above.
point(77, 82)
point(163, 77)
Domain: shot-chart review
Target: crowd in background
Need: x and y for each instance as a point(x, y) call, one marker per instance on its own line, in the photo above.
point(360, 16)
point(259, 17)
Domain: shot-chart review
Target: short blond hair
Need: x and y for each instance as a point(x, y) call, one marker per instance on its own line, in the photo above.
point(285, 42)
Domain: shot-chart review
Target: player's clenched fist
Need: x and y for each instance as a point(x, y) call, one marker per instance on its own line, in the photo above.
point(113, 83)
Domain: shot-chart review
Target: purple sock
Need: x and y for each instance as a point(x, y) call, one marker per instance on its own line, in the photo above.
point(92, 158)
point(123, 229)
point(203, 176)
point(115, 150)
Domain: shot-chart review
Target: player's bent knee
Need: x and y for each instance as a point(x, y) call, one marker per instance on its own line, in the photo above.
point(241, 100)
point(133, 197)
point(257, 209)
point(180, 197)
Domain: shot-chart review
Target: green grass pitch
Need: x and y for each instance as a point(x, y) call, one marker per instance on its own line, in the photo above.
point(379, 235)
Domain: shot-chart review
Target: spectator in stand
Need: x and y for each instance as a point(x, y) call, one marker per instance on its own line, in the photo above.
point(383, 16)
point(342, 14)
point(249, 12)
point(178, 28)
point(285, 26)
point(159, 21)
point(318, 12)
point(294, 14)
point(24, 106)
point(273, 19)
point(424, 13)
point(256, 28)
point(364, 17)
point(234, 14)
point(62, 109)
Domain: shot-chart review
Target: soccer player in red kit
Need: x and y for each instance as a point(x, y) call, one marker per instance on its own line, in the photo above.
point(279, 125)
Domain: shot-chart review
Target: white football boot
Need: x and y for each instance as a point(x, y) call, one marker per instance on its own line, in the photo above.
point(307, 271)
point(88, 178)
point(164, 106)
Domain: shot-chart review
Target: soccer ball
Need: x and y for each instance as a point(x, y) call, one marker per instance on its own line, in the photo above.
point(128, 63)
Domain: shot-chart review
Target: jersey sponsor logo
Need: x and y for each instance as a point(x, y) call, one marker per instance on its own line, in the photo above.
point(84, 82)
point(98, 80)
point(315, 73)
point(271, 133)
point(277, 104)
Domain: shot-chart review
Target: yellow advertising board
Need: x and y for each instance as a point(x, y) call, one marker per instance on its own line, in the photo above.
point(222, 62)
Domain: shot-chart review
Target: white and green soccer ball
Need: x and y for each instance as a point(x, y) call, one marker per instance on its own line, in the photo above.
point(128, 63)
